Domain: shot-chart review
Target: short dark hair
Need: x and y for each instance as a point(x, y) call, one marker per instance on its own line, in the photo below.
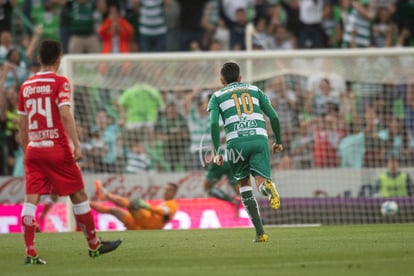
point(230, 72)
point(174, 185)
point(49, 51)
point(392, 156)
point(10, 52)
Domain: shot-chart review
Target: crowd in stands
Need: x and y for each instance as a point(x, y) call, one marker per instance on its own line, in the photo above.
point(119, 26)
point(326, 121)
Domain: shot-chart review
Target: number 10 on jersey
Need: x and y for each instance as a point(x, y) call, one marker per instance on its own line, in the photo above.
point(246, 102)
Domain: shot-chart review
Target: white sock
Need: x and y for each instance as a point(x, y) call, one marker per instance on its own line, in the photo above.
point(81, 208)
point(262, 189)
point(29, 209)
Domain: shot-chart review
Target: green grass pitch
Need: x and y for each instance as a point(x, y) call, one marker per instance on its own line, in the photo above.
point(328, 250)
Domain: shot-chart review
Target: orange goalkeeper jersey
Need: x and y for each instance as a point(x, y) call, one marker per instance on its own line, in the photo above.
point(156, 217)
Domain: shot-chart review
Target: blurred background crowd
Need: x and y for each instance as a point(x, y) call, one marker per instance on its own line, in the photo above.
point(327, 121)
point(86, 26)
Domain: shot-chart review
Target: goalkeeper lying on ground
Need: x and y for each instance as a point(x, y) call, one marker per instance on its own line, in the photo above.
point(137, 214)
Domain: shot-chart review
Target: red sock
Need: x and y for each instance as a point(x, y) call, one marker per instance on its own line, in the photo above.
point(29, 229)
point(86, 223)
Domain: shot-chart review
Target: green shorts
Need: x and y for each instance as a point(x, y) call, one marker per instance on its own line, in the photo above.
point(250, 158)
point(215, 173)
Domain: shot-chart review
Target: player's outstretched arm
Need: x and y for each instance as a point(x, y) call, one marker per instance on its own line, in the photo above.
point(70, 127)
point(215, 130)
point(274, 123)
point(23, 131)
point(215, 127)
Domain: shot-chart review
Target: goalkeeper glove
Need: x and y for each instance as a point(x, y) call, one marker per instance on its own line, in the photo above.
point(137, 204)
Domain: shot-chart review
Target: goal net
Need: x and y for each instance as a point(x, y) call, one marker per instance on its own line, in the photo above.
point(347, 120)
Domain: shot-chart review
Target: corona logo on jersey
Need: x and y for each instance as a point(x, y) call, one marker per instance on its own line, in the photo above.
point(41, 89)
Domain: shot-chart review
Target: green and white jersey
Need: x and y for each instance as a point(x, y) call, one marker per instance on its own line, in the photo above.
point(361, 25)
point(152, 20)
point(200, 131)
point(138, 162)
point(240, 106)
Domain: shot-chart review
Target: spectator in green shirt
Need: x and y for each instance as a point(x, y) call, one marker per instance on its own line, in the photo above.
point(139, 105)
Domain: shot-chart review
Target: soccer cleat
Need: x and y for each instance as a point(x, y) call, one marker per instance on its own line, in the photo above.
point(34, 260)
point(262, 238)
point(104, 247)
point(273, 195)
point(99, 190)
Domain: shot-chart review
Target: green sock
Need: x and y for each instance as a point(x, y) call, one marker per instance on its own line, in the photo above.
point(217, 193)
point(250, 204)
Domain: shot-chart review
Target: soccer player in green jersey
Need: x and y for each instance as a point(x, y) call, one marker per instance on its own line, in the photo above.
point(241, 107)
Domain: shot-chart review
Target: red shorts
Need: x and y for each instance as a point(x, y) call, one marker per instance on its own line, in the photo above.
point(52, 171)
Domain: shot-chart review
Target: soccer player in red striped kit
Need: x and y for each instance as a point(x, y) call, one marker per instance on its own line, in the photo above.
point(47, 129)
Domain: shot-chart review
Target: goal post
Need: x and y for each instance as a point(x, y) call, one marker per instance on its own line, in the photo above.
point(349, 63)
point(367, 104)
